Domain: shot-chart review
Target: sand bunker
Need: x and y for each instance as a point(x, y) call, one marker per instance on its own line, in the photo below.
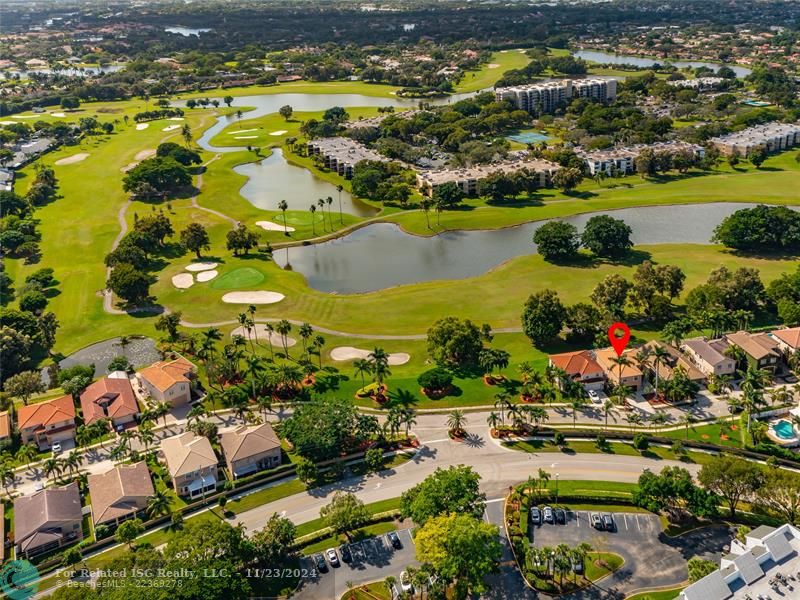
point(140, 126)
point(25, 117)
point(245, 137)
point(279, 132)
point(8, 122)
point(492, 65)
point(145, 154)
point(270, 226)
point(171, 128)
point(342, 353)
point(259, 297)
point(259, 333)
point(183, 281)
point(75, 158)
point(201, 266)
point(242, 131)
point(176, 119)
point(59, 115)
point(206, 275)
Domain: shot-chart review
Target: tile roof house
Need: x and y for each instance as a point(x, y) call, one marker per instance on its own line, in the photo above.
point(120, 493)
point(674, 360)
point(47, 519)
point(47, 422)
point(708, 358)
point(5, 428)
point(788, 339)
point(191, 463)
point(248, 449)
point(109, 398)
point(632, 376)
point(760, 349)
point(169, 382)
point(582, 367)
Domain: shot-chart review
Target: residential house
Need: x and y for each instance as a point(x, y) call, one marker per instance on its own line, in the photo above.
point(120, 493)
point(749, 570)
point(248, 449)
point(47, 422)
point(788, 340)
point(110, 398)
point(47, 519)
point(191, 463)
point(630, 376)
point(709, 358)
point(5, 429)
point(169, 382)
point(671, 362)
point(582, 367)
point(760, 349)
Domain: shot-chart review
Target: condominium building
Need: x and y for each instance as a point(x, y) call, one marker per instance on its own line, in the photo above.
point(547, 96)
point(468, 178)
point(623, 159)
point(342, 154)
point(772, 136)
point(700, 83)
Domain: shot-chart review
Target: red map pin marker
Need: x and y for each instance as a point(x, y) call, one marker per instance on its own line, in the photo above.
point(619, 342)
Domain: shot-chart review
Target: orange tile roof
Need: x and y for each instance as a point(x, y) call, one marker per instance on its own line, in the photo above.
point(789, 336)
point(5, 424)
point(163, 375)
point(46, 413)
point(576, 363)
point(115, 394)
point(604, 357)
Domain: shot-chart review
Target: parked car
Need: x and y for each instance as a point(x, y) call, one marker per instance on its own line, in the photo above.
point(595, 397)
point(319, 563)
point(344, 552)
point(577, 567)
point(561, 516)
point(549, 517)
point(597, 522)
point(332, 558)
point(56, 448)
point(608, 522)
point(536, 515)
point(394, 540)
point(405, 583)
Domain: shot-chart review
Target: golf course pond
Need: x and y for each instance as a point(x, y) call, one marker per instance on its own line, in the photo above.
point(382, 255)
point(597, 56)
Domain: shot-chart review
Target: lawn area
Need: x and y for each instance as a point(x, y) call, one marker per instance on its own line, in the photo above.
point(598, 565)
point(370, 591)
point(332, 541)
point(669, 594)
point(492, 71)
point(611, 448)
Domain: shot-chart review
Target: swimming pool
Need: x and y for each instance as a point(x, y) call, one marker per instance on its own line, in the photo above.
point(784, 430)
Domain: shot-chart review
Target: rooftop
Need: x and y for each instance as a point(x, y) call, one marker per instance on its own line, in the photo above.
point(51, 505)
point(114, 492)
point(478, 172)
point(576, 363)
point(245, 441)
point(108, 398)
point(163, 375)
point(757, 345)
point(705, 350)
point(790, 337)
point(187, 452)
point(46, 413)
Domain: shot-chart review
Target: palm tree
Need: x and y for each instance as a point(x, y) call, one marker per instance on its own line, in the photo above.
point(270, 329)
point(634, 419)
point(408, 418)
point(492, 420)
point(621, 361)
point(363, 367)
point(425, 204)
point(253, 369)
point(339, 189)
point(72, 461)
point(456, 421)
point(687, 420)
point(525, 369)
point(313, 209)
point(27, 453)
point(538, 415)
point(329, 201)
point(576, 404)
point(305, 331)
point(283, 328)
point(158, 504)
point(321, 204)
point(659, 356)
point(161, 410)
point(607, 406)
point(380, 365)
point(503, 402)
point(146, 436)
point(642, 358)
point(283, 206)
point(319, 344)
point(197, 412)
point(52, 467)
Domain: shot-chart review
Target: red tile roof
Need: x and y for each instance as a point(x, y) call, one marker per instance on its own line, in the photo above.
point(163, 375)
point(789, 336)
point(46, 413)
point(115, 394)
point(576, 363)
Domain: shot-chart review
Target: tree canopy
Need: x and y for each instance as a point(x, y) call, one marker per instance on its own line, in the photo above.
point(452, 490)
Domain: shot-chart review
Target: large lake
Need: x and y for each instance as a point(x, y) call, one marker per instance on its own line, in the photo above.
point(382, 255)
point(625, 59)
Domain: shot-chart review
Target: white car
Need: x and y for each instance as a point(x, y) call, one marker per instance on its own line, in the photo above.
point(56, 448)
point(594, 397)
point(332, 557)
point(405, 583)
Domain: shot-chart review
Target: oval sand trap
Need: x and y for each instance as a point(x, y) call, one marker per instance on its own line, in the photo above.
point(279, 132)
point(145, 154)
point(260, 333)
point(207, 275)
point(58, 115)
point(259, 297)
point(245, 137)
point(75, 158)
point(341, 353)
point(176, 119)
point(201, 266)
point(492, 66)
point(171, 128)
point(242, 131)
point(270, 226)
point(141, 126)
point(183, 281)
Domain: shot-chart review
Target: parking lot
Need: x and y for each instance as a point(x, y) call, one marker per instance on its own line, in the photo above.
point(373, 558)
point(652, 559)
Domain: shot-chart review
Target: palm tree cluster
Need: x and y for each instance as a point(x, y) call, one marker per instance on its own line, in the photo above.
point(519, 415)
point(398, 418)
point(377, 365)
point(557, 562)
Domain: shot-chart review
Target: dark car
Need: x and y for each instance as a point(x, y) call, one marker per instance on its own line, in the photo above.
point(561, 516)
point(319, 563)
point(394, 539)
point(536, 516)
point(344, 552)
point(597, 522)
point(608, 522)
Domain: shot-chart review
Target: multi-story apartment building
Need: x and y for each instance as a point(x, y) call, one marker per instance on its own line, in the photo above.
point(623, 159)
point(547, 96)
point(772, 136)
point(341, 155)
point(468, 178)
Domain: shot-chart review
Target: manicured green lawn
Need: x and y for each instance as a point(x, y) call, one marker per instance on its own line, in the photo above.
point(492, 71)
point(242, 277)
point(370, 591)
point(333, 541)
point(670, 594)
point(611, 448)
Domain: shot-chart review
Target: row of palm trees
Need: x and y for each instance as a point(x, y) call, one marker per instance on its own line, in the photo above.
point(558, 561)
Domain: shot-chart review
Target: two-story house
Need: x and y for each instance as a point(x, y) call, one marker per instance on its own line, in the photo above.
point(708, 357)
point(110, 398)
point(628, 375)
point(248, 449)
point(191, 463)
point(582, 367)
point(47, 519)
point(120, 493)
point(47, 422)
point(761, 351)
point(169, 382)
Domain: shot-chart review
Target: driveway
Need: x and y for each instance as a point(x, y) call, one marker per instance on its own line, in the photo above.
point(373, 559)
